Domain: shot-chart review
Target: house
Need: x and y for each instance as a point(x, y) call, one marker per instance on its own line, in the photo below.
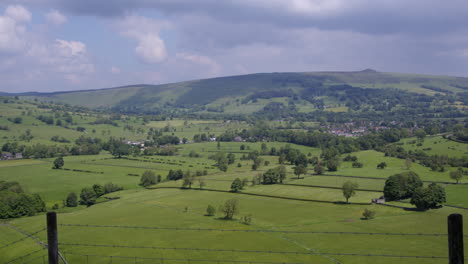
point(379, 200)
point(134, 143)
point(238, 139)
point(18, 155)
point(6, 156)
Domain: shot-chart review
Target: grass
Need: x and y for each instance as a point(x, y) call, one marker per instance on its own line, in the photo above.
point(167, 208)
point(371, 158)
point(437, 145)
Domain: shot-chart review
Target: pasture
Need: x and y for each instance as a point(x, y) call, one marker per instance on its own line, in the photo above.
point(308, 210)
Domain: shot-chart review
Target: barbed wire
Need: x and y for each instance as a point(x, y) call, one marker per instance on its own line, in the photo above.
point(27, 255)
point(252, 230)
point(21, 239)
point(251, 251)
point(186, 260)
point(31, 260)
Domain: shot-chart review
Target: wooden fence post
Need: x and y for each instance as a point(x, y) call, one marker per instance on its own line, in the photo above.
point(52, 240)
point(455, 239)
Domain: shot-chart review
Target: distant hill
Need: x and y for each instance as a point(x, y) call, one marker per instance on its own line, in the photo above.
point(307, 91)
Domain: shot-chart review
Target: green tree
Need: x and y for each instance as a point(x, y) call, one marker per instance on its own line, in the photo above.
point(332, 164)
point(318, 169)
point(87, 196)
point(271, 176)
point(349, 190)
point(429, 197)
point(230, 208)
point(264, 149)
point(236, 185)
point(300, 169)
point(231, 158)
point(420, 134)
point(187, 180)
point(457, 175)
point(282, 159)
point(72, 200)
point(401, 186)
point(201, 182)
point(119, 149)
point(210, 210)
point(381, 165)
point(147, 178)
point(58, 163)
point(282, 173)
point(98, 190)
point(221, 161)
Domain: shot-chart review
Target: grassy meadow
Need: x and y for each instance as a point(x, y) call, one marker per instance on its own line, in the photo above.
point(186, 208)
point(313, 204)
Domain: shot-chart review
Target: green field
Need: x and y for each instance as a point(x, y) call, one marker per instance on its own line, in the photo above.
point(165, 207)
point(311, 203)
point(437, 146)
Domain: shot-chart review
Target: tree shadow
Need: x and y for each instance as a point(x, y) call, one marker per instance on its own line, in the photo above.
point(340, 202)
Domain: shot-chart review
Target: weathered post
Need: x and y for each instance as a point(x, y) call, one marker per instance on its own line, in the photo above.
point(455, 239)
point(52, 240)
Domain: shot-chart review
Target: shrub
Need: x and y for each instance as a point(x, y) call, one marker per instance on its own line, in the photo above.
point(357, 164)
point(210, 210)
point(246, 219)
point(368, 214)
point(148, 178)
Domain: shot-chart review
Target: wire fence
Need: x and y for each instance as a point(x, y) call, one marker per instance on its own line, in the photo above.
point(23, 256)
point(253, 251)
point(76, 250)
point(177, 259)
point(42, 258)
point(22, 239)
point(253, 230)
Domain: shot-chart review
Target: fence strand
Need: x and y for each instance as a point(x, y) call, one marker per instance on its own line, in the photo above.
point(252, 230)
point(251, 251)
point(27, 255)
point(21, 239)
point(186, 260)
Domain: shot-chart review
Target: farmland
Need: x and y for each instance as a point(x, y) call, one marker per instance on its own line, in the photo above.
point(303, 220)
point(308, 209)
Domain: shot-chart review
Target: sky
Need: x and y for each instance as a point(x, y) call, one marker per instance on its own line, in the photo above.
point(62, 45)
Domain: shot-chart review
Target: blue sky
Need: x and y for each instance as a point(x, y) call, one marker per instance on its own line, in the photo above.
point(57, 45)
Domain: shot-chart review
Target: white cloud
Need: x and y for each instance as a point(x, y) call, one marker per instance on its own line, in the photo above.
point(302, 7)
point(55, 17)
point(13, 30)
point(11, 35)
point(146, 31)
point(70, 48)
point(18, 13)
point(214, 67)
point(151, 48)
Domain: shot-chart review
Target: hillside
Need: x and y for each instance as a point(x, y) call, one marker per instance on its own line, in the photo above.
point(297, 92)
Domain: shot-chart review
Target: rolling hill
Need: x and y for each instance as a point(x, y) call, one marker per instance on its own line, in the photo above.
point(244, 94)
